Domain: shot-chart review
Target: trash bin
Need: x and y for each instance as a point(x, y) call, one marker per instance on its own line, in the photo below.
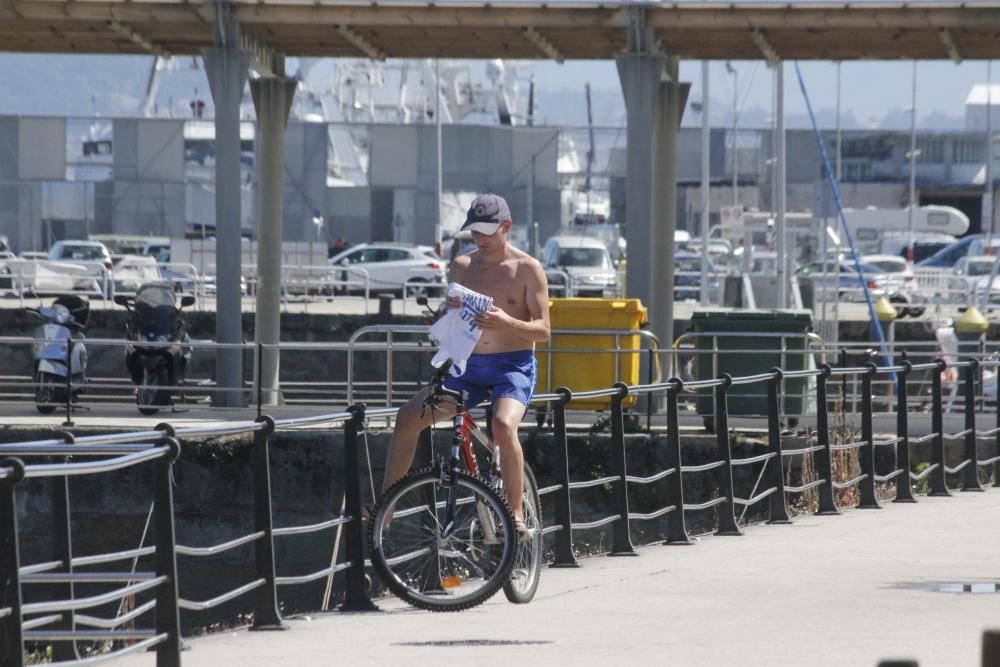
point(749, 342)
point(582, 369)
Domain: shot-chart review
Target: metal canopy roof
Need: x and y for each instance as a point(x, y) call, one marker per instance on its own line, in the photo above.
point(811, 29)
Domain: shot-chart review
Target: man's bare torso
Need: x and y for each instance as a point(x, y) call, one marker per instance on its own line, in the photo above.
point(507, 282)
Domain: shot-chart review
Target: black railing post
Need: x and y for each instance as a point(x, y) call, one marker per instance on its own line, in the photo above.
point(62, 550)
point(168, 652)
point(777, 510)
point(266, 614)
point(866, 457)
point(904, 491)
point(621, 536)
point(970, 475)
point(355, 596)
point(69, 382)
point(824, 458)
point(676, 530)
point(939, 485)
point(649, 397)
point(563, 552)
point(11, 636)
point(260, 381)
point(996, 450)
point(727, 511)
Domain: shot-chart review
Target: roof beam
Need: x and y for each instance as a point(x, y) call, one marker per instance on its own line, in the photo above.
point(543, 44)
point(359, 42)
point(149, 46)
point(765, 47)
point(949, 45)
point(264, 59)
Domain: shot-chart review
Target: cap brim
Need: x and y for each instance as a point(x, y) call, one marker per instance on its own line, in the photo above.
point(488, 228)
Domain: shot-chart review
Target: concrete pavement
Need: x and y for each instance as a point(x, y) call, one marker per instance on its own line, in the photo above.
point(830, 590)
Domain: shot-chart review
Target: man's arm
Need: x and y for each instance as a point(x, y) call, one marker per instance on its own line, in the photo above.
point(537, 297)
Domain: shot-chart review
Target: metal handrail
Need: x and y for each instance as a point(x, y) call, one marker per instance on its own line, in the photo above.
point(652, 478)
point(218, 548)
point(93, 601)
point(311, 528)
point(225, 597)
point(51, 469)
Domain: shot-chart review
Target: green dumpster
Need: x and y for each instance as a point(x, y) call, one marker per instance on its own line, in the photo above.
point(744, 342)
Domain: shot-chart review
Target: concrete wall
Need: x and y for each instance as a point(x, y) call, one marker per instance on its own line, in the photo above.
point(403, 175)
point(305, 181)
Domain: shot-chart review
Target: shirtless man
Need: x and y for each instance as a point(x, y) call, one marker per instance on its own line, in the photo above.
point(504, 358)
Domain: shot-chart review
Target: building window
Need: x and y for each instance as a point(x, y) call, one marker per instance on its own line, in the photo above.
point(968, 151)
point(931, 150)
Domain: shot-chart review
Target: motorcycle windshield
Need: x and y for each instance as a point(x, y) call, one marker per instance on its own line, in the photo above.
point(155, 310)
point(51, 341)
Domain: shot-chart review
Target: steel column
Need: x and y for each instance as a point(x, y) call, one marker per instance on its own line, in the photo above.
point(640, 71)
point(272, 100)
point(226, 66)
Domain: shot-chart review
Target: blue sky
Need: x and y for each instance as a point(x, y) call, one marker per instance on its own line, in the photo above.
point(873, 93)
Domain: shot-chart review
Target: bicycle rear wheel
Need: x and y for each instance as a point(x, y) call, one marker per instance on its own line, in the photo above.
point(434, 564)
point(523, 582)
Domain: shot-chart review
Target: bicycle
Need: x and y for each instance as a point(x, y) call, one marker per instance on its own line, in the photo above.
point(443, 538)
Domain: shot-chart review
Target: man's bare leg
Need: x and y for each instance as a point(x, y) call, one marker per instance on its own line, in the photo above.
point(507, 415)
point(409, 424)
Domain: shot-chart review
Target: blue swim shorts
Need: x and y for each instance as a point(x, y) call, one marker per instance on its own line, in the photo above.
point(507, 374)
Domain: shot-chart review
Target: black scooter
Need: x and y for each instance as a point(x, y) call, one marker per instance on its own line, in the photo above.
point(159, 347)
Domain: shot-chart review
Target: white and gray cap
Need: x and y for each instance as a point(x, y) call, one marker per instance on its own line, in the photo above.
point(486, 214)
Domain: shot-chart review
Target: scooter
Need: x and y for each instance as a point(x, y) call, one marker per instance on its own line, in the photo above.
point(159, 347)
point(60, 331)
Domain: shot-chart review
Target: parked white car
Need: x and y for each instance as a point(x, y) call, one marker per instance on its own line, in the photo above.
point(88, 254)
point(587, 263)
point(388, 266)
point(972, 278)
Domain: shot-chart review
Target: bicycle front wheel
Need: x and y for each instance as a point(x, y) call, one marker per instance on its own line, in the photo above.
point(523, 582)
point(435, 561)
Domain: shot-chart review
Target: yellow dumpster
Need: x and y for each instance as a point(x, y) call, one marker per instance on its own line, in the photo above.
point(591, 361)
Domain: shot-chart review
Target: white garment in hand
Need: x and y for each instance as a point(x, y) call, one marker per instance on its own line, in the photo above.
point(456, 334)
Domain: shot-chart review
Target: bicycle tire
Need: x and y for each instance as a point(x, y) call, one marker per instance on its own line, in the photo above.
point(461, 570)
point(523, 581)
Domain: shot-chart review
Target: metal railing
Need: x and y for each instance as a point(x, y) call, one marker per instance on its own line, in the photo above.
point(775, 493)
point(131, 449)
point(60, 617)
point(127, 450)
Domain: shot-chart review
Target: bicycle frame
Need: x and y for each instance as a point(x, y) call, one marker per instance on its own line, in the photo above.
point(465, 430)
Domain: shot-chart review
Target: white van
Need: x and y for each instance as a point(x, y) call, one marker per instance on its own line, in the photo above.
point(587, 263)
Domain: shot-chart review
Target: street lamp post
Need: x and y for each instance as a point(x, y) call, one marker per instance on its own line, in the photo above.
point(736, 116)
point(913, 165)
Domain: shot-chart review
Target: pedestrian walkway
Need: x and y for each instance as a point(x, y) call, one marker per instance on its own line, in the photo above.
point(826, 590)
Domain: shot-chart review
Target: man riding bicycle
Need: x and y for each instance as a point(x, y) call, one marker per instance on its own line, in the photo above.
point(503, 360)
